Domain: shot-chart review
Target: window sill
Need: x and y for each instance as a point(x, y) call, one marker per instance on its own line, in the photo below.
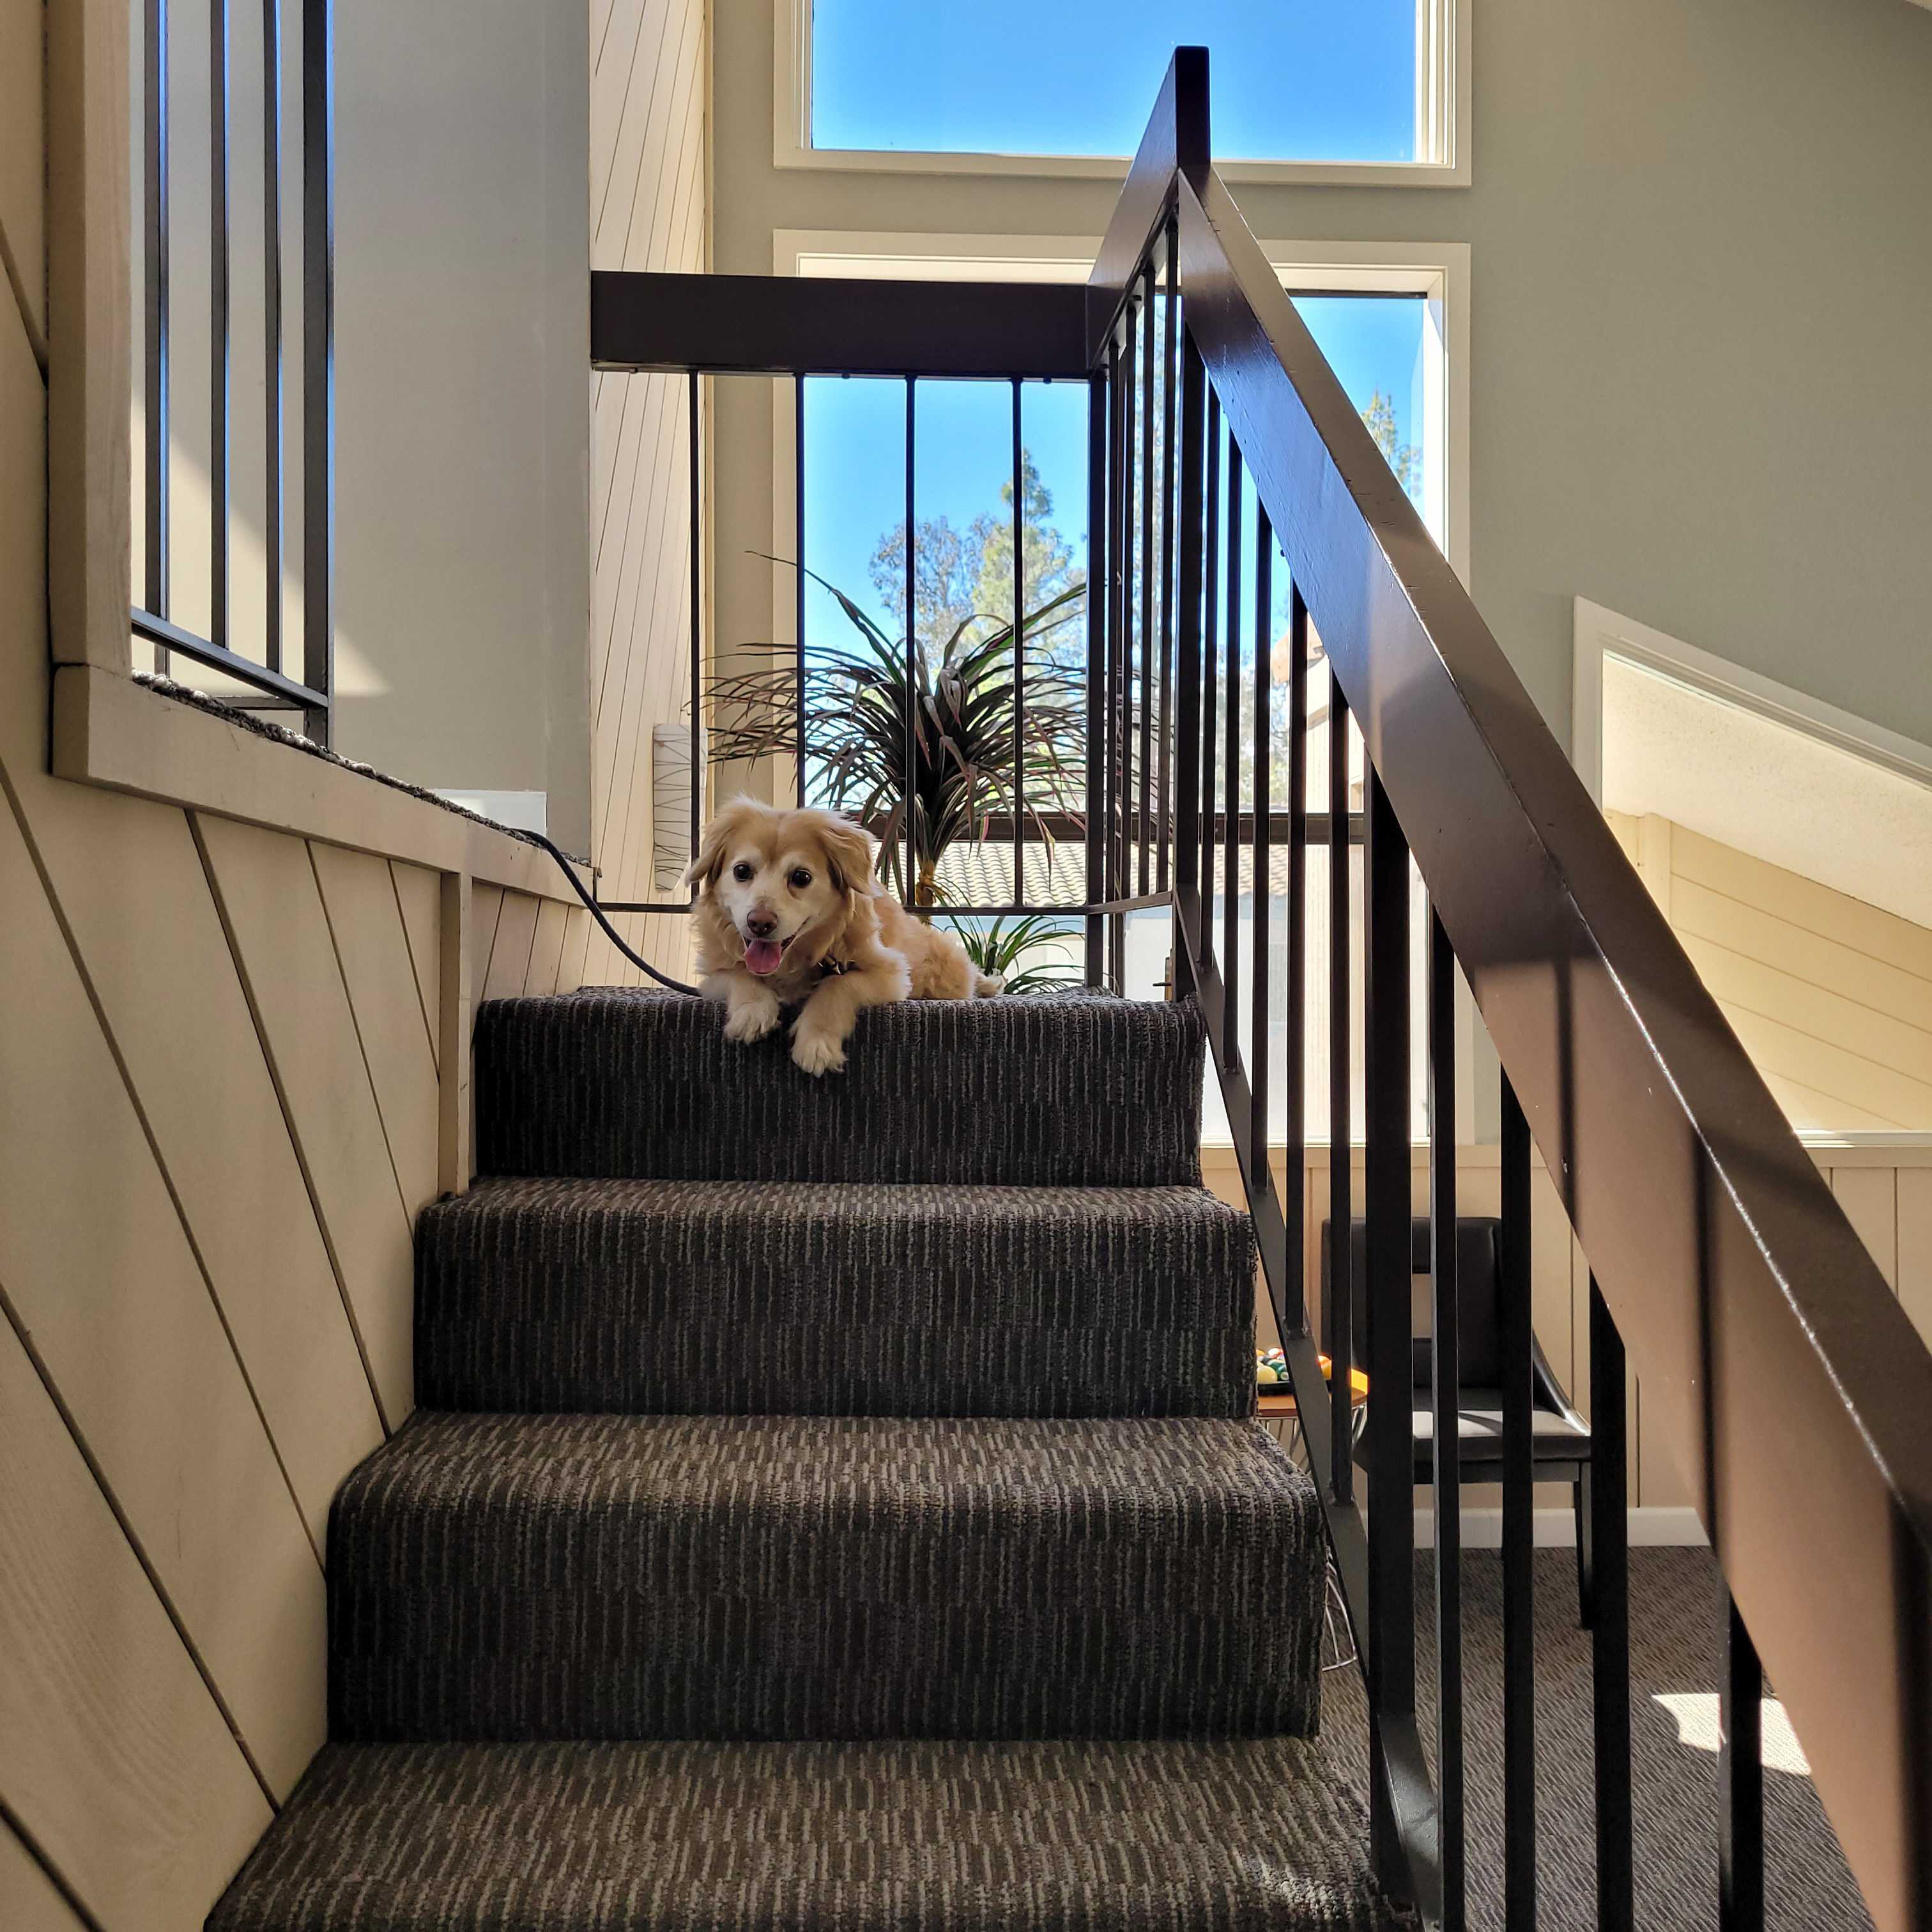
point(110, 731)
point(1109, 167)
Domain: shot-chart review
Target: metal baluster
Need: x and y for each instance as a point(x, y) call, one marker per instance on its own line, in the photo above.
point(1142, 822)
point(1231, 776)
point(1340, 1316)
point(1187, 722)
point(1211, 558)
point(1518, 1576)
point(1740, 1780)
point(1385, 1026)
point(1294, 1199)
point(1098, 502)
point(271, 321)
point(220, 302)
point(1259, 936)
point(1120, 773)
point(1445, 1378)
point(911, 644)
point(1164, 750)
point(798, 573)
point(318, 365)
point(1019, 658)
point(694, 511)
point(156, 434)
point(1609, 1528)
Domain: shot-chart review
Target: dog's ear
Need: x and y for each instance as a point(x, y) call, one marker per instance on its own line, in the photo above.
point(703, 870)
point(848, 852)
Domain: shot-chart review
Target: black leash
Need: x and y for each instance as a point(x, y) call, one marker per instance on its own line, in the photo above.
point(610, 932)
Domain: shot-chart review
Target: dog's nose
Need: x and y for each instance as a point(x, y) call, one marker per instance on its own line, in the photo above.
point(761, 925)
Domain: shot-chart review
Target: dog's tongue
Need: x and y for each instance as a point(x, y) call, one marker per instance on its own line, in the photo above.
point(762, 956)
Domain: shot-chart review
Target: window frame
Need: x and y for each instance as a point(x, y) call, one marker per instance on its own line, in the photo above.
point(1439, 270)
point(1443, 87)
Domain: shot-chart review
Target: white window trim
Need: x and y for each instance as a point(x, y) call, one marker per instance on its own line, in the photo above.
point(1437, 270)
point(1442, 115)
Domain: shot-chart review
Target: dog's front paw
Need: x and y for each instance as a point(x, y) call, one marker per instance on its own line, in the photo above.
point(753, 1017)
point(817, 1049)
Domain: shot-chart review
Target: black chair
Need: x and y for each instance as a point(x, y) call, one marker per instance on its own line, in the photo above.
point(1560, 1439)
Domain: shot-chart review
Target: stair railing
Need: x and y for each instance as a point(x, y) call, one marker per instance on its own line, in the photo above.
point(277, 679)
point(1793, 1389)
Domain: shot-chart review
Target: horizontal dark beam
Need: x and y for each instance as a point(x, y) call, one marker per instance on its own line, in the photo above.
point(804, 325)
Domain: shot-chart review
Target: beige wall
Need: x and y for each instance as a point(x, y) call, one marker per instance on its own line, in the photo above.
point(648, 201)
point(232, 1059)
point(1699, 294)
point(1832, 997)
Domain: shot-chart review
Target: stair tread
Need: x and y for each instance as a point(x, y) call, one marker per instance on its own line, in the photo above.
point(1071, 1087)
point(883, 1837)
point(786, 1577)
point(834, 1297)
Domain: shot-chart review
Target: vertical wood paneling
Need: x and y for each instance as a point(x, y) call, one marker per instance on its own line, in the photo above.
point(647, 136)
point(510, 951)
point(486, 908)
point(113, 1754)
point(272, 909)
point(547, 948)
point(98, 1270)
point(1915, 1246)
point(456, 1134)
point(419, 895)
point(577, 930)
point(28, 1901)
point(358, 897)
point(1869, 1198)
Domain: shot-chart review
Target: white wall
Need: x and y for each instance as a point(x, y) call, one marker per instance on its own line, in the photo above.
point(1700, 294)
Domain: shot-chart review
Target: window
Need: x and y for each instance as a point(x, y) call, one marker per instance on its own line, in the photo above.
point(1338, 90)
point(1392, 321)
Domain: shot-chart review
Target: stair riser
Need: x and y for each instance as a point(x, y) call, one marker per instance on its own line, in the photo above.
point(1015, 1091)
point(581, 1633)
point(1144, 1305)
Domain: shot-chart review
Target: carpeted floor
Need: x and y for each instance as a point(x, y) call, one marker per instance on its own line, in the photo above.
point(1676, 1630)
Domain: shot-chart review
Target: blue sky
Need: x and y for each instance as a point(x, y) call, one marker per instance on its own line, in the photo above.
point(1292, 79)
point(855, 443)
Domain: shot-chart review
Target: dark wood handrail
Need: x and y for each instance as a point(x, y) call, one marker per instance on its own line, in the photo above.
point(803, 325)
point(1794, 1389)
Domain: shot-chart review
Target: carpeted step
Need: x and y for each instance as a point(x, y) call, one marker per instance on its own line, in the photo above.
point(1075, 1090)
point(1166, 1837)
point(853, 1299)
point(527, 1577)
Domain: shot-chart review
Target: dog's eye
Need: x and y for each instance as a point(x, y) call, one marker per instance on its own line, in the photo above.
point(742, 871)
point(800, 878)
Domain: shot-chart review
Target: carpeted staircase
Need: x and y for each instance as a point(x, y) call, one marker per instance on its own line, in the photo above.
point(833, 1503)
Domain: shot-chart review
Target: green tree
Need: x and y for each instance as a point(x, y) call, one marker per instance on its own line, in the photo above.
point(966, 576)
point(1404, 458)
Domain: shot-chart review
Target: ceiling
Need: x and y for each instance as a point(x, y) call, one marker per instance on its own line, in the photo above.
point(1775, 792)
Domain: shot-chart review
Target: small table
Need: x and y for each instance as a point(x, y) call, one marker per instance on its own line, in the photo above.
point(1275, 1404)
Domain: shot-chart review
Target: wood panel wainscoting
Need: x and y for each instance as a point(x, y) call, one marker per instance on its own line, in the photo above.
point(235, 986)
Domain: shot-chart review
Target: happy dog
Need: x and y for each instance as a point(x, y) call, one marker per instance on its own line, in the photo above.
point(789, 912)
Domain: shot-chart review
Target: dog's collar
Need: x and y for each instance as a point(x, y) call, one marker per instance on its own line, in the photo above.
point(829, 968)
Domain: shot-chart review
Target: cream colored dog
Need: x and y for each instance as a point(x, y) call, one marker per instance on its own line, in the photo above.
point(789, 913)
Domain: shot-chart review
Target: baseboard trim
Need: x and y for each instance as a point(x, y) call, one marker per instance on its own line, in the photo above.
point(1654, 1529)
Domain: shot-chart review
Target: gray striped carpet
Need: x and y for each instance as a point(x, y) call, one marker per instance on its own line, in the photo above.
point(776, 1577)
point(1062, 1090)
point(1676, 1639)
point(1203, 1837)
point(743, 1297)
